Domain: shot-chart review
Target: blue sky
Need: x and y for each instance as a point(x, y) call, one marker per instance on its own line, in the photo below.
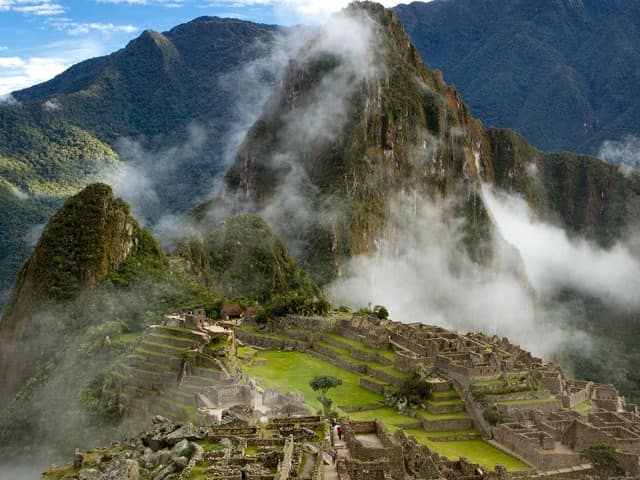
point(41, 38)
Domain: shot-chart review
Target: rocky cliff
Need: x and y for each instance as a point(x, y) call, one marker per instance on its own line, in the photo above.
point(352, 127)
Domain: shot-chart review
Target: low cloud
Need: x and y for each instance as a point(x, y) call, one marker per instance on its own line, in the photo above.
point(52, 105)
point(625, 153)
point(84, 28)
point(554, 261)
point(422, 273)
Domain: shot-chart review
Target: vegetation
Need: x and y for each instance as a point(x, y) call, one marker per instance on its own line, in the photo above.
point(548, 74)
point(322, 384)
point(293, 371)
point(603, 459)
point(415, 389)
point(378, 312)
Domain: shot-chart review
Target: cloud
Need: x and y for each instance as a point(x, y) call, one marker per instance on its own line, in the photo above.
point(17, 72)
point(164, 3)
point(52, 105)
point(421, 273)
point(78, 28)
point(32, 7)
point(625, 153)
point(553, 261)
point(312, 11)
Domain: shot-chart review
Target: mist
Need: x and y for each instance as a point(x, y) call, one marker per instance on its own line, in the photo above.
point(625, 153)
point(422, 273)
point(553, 261)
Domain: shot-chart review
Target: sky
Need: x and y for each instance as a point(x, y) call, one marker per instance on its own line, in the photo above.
point(41, 38)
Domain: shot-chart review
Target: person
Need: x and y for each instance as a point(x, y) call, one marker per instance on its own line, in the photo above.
point(334, 456)
point(339, 432)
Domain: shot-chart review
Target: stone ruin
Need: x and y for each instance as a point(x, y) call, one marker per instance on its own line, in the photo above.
point(537, 421)
point(239, 400)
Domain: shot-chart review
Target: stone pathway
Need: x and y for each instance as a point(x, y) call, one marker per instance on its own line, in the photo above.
point(330, 472)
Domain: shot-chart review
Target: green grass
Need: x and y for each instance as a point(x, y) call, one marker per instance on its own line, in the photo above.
point(442, 416)
point(128, 338)
point(360, 346)
point(292, 372)
point(477, 451)
point(444, 395)
point(389, 416)
point(451, 433)
point(246, 352)
point(583, 407)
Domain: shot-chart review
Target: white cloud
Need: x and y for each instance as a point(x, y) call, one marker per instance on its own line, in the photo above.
point(164, 3)
point(77, 28)
point(32, 7)
point(316, 10)
point(17, 73)
point(554, 261)
point(625, 153)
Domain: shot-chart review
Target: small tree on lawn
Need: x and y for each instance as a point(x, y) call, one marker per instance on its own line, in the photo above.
point(322, 384)
point(603, 459)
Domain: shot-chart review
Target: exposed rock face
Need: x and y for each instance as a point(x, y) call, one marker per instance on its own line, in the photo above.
point(352, 128)
point(91, 236)
point(356, 122)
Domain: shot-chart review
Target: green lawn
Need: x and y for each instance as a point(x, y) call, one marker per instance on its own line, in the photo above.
point(391, 418)
point(292, 372)
point(477, 451)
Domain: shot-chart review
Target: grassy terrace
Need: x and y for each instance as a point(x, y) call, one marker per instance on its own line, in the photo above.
point(360, 346)
point(583, 407)
point(445, 395)
point(442, 416)
point(477, 451)
point(292, 372)
point(390, 369)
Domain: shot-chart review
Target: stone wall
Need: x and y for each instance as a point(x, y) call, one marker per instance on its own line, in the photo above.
point(531, 450)
point(391, 450)
point(271, 342)
point(408, 362)
point(284, 468)
point(445, 425)
point(409, 344)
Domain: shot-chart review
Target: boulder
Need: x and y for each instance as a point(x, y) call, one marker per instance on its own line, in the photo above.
point(187, 431)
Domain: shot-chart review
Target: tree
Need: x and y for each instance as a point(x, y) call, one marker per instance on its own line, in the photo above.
point(603, 459)
point(322, 384)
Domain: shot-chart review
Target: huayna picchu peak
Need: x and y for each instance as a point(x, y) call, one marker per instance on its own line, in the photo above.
point(322, 266)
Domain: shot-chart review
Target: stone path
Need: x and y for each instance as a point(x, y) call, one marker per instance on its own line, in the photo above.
point(330, 472)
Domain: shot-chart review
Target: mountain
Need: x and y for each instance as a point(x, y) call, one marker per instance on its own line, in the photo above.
point(93, 282)
point(359, 129)
point(354, 141)
point(391, 127)
point(563, 73)
point(167, 105)
point(89, 238)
